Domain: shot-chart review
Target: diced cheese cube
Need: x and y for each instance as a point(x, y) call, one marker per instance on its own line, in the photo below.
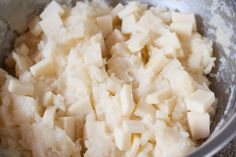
point(133, 126)
point(117, 9)
point(23, 49)
point(200, 100)
point(48, 99)
point(51, 25)
point(34, 26)
point(105, 24)
point(184, 18)
point(20, 88)
point(199, 124)
point(122, 139)
point(134, 148)
point(182, 29)
point(52, 8)
point(126, 99)
point(49, 116)
point(168, 40)
point(159, 96)
point(138, 41)
point(157, 61)
point(144, 153)
point(144, 109)
point(93, 55)
point(114, 13)
point(128, 24)
point(114, 38)
point(68, 124)
point(131, 7)
point(81, 108)
point(43, 67)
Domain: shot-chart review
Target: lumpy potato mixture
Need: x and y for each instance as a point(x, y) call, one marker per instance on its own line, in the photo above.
point(97, 81)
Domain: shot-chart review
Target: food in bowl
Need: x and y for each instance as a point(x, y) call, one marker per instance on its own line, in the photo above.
point(93, 80)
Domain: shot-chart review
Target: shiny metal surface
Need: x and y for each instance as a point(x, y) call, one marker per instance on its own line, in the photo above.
point(14, 15)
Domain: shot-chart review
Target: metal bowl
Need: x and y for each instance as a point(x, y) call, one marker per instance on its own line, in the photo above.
point(216, 20)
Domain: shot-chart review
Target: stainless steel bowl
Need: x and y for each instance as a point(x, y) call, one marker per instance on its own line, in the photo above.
point(216, 20)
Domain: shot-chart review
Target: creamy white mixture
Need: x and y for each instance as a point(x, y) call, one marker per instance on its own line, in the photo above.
point(98, 81)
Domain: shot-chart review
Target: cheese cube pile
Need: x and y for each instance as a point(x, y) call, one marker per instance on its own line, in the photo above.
point(97, 81)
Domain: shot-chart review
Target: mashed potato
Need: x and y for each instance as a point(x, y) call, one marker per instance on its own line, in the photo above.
point(98, 81)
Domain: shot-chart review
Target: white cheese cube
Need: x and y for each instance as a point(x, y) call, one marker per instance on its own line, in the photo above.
point(148, 148)
point(138, 41)
point(34, 26)
point(157, 61)
point(81, 108)
point(48, 99)
point(49, 116)
point(105, 24)
point(144, 109)
point(184, 18)
point(51, 25)
point(128, 24)
point(168, 40)
point(93, 55)
point(159, 96)
point(134, 148)
point(133, 126)
point(22, 63)
point(122, 139)
point(200, 100)
point(128, 9)
point(126, 99)
point(182, 29)
point(117, 9)
point(199, 124)
point(68, 124)
point(114, 38)
point(20, 88)
point(52, 8)
point(43, 67)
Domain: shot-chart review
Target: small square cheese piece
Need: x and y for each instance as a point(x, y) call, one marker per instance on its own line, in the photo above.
point(138, 41)
point(68, 124)
point(132, 152)
point(105, 24)
point(133, 126)
point(93, 55)
point(51, 25)
point(122, 138)
point(126, 99)
point(199, 124)
point(200, 100)
point(43, 67)
point(20, 88)
point(128, 24)
point(52, 8)
point(187, 18)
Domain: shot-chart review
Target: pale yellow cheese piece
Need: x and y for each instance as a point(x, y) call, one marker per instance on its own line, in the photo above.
point(199, 124)
point(105, 24)
point(122, 138)
point(20, 88)
point(43, 67)
point(200, 100)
